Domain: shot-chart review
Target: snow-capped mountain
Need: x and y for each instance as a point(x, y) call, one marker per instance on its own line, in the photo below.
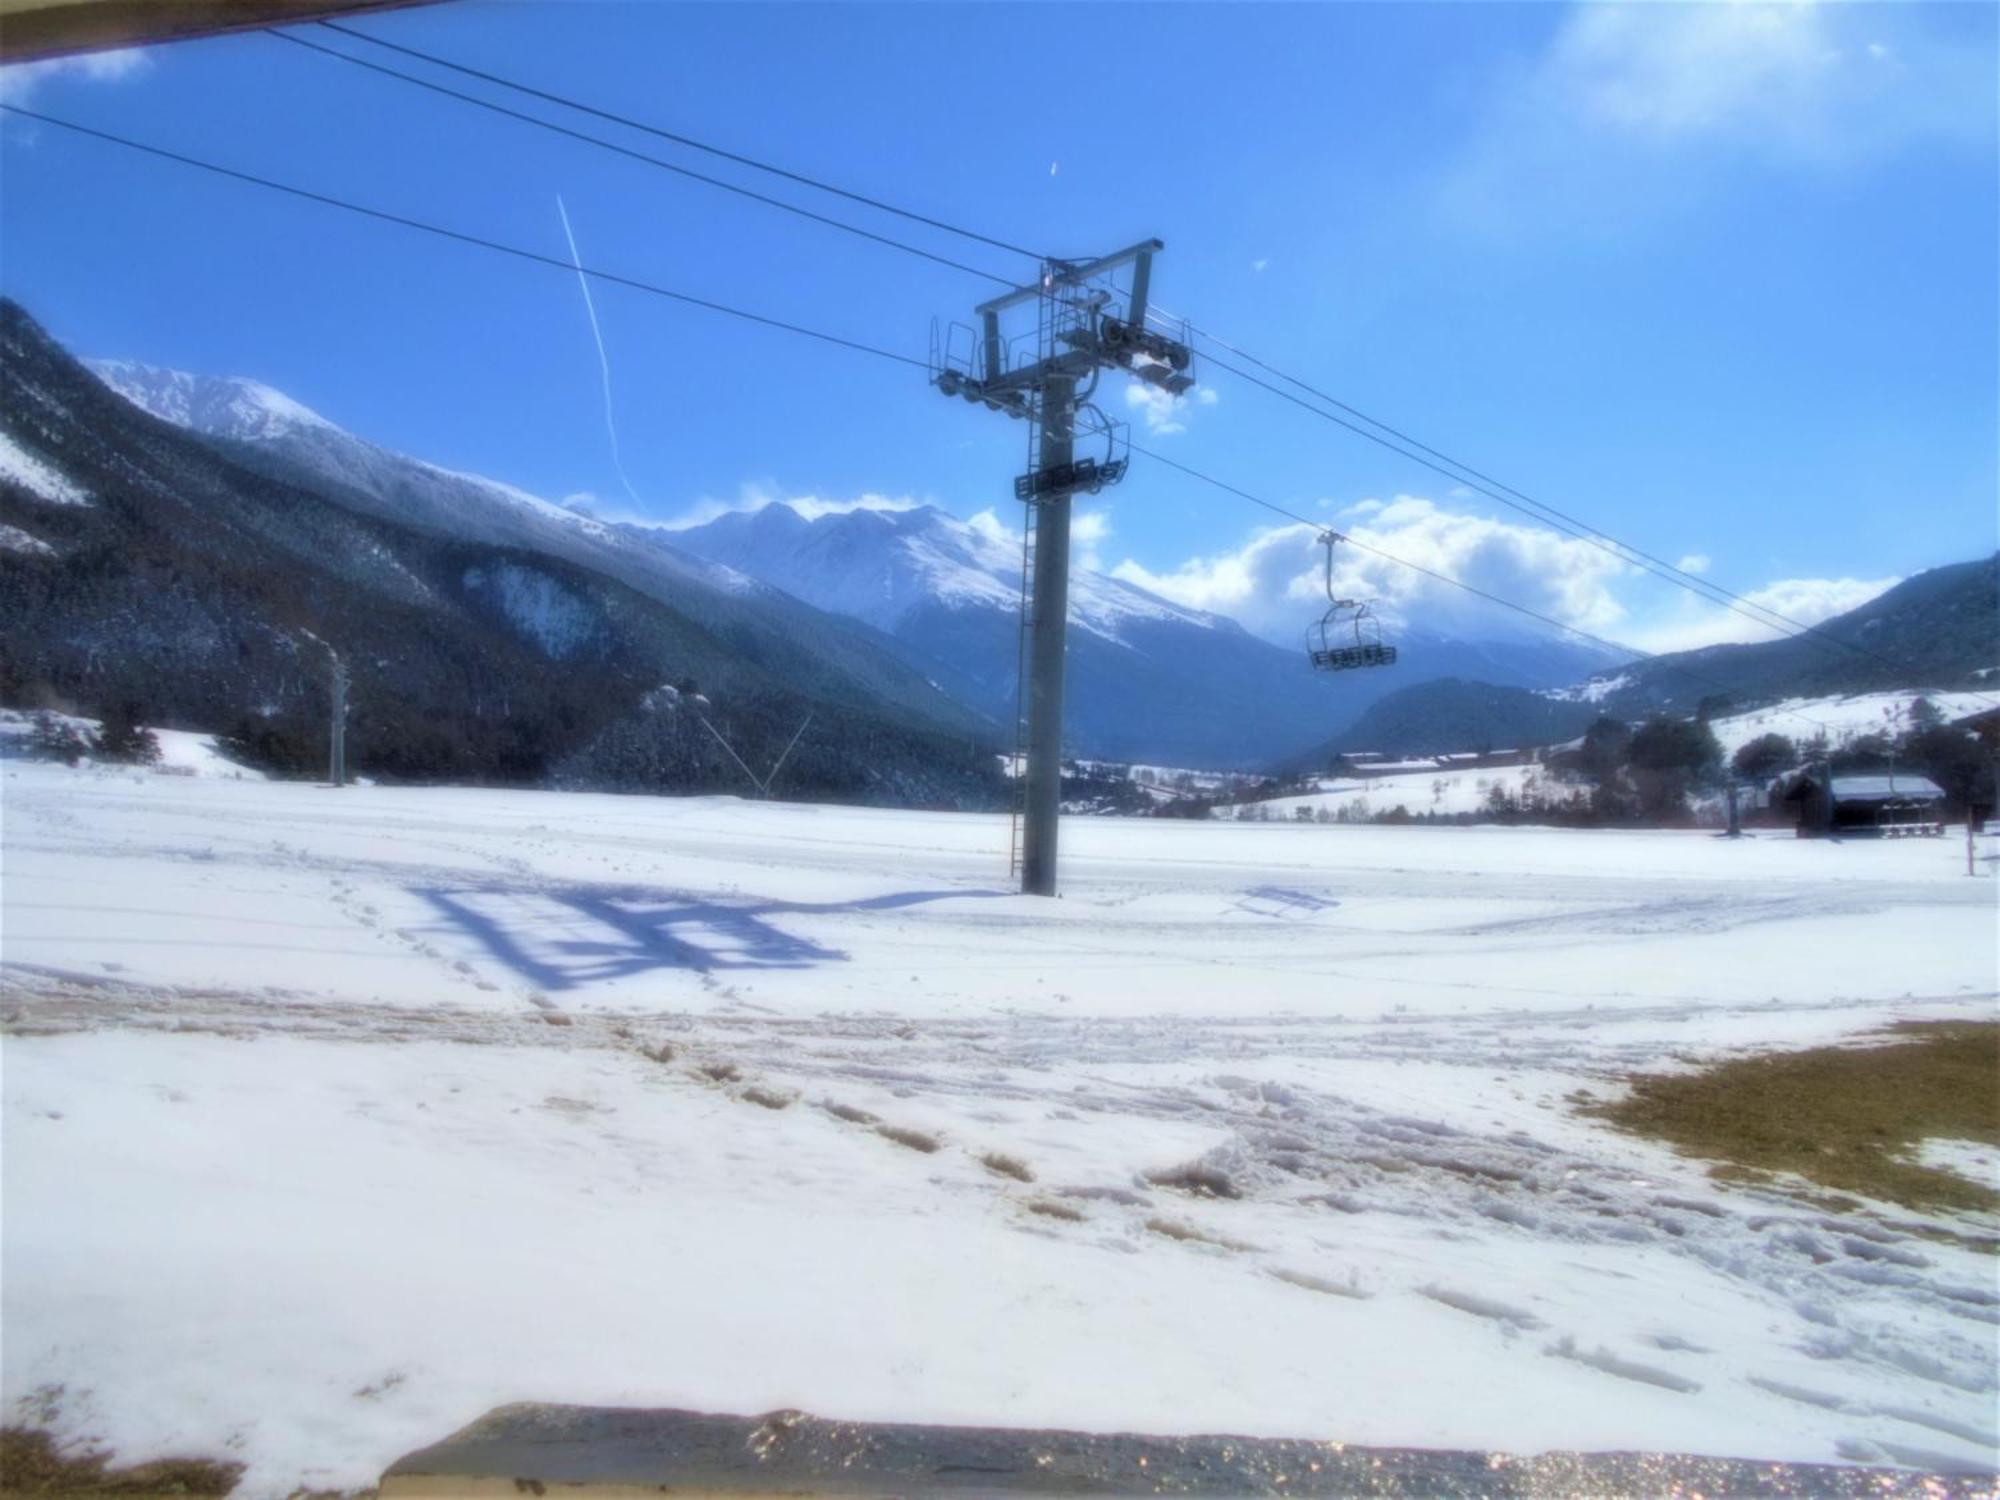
point(268, 431)
point(885, 563)
point(1148, 680)
point(395, 486)
point(201, 581)
point(232, 408)
point(913, 606)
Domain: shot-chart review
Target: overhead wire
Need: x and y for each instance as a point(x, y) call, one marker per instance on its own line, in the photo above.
point(1446, 578)
point(639, 156)
point(1463, 473)
point(461, 236)
point(549, 96)
point(1424, 454)
point(787, 326)
point(1449, 469)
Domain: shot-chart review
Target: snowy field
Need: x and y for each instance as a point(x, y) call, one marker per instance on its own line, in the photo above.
point(183, 752)
point(1434, 790)
point(333, 1119)
point(1841, 719)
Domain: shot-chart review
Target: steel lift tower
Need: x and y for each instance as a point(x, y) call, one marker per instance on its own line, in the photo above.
point(1080, 332)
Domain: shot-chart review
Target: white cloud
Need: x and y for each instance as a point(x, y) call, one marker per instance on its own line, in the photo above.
point(1806, 601)
point(1623, 92)
point(19, 82)
point(1163, 413)
point(1695, 562)
point(1687, 70)
point(1275, 582)
point(988, 524)
point(1260, 263)
point(1088, 531)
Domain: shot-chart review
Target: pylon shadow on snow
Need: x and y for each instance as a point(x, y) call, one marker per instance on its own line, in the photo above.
point(569, 937)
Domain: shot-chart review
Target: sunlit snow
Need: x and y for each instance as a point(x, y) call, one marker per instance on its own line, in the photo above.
point(335, 1118)
point(37, 476)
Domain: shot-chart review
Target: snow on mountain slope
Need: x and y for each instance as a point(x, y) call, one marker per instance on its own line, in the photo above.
point(263, 429)
point(1842, 719)
point(883, 563)
point(1148, 680)
point(911, 602)
point(236, 410)
point(231, 408)
point(183, 752)
point(39, 478)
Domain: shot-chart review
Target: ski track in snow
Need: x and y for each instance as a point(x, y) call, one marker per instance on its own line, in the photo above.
point(335, 1118)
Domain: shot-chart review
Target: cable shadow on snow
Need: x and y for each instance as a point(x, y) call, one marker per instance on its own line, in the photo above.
point(569, 937)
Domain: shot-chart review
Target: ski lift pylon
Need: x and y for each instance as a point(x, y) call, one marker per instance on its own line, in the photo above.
point(1348, 635)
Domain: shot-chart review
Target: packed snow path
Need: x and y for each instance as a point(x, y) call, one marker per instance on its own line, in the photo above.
point(334, 1118)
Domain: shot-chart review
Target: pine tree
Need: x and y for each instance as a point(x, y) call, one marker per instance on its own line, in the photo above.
point(124, 740)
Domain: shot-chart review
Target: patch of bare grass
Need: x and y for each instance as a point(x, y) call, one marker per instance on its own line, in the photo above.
point(1198, 1179)
point(1174, 1229)
point(720, 1072)
point(849, 1113)
point(1843, 1117)
point(32, 1463)
point(1051, 1208)
point(1311, 1283)
point(768, 1098)
point(916, 1140)
point(1007, 1166)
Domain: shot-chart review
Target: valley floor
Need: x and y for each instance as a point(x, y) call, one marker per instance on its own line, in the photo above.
point(333, 1119)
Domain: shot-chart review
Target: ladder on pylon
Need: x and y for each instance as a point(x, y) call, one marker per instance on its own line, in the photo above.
point(1018, 767)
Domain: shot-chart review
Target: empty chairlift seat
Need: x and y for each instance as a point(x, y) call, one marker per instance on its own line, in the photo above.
point(1348, 635)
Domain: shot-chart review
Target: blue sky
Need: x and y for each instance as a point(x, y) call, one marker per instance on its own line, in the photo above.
point(1719, 279)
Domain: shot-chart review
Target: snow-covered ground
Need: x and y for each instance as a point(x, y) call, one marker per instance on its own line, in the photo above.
point(183, 752)
point(1435, 789)
point(1841, 719)
point(334, 1118)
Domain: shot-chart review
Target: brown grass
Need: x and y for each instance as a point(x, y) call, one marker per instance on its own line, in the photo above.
point(31, 1463)
point(1173, 1229)
point(916, 1140)
point(720, 1072)
point(1049, 1208)
point(849, 1113)
point(1198, 1179)
point(1007, 1166)
point(1843, 1117)
point(769, 1098)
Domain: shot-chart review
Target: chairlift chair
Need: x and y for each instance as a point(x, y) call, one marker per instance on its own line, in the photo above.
point(1348, 635)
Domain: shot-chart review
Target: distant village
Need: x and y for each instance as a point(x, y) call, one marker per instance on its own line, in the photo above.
point(1904, 776)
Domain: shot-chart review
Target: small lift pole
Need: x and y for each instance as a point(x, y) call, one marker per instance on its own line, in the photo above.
point(1077, 337)
point(336, 770)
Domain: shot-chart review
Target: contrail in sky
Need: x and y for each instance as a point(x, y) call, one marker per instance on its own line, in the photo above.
point(603, 360)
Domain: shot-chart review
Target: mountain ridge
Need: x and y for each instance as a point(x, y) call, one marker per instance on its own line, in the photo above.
point(266, 431)
point(140, 562)
point(1938, 630)
point(1149, 680)
point(901, 602)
